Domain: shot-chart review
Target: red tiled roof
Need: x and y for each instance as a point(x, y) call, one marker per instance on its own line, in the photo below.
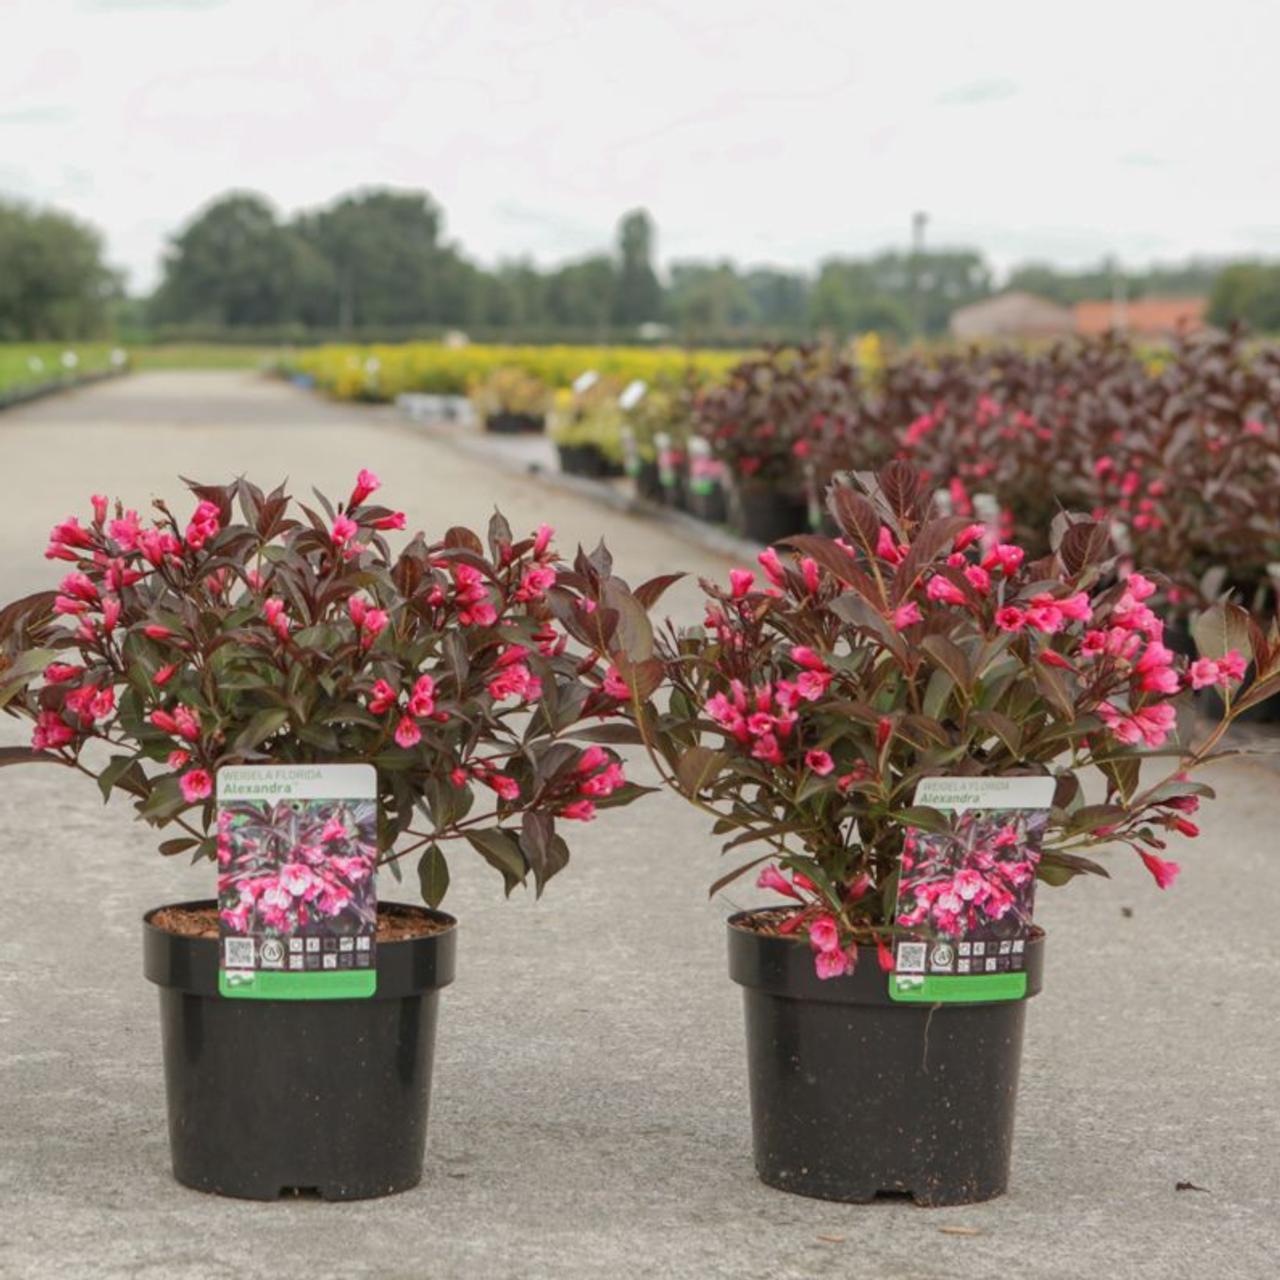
point(1143, 316)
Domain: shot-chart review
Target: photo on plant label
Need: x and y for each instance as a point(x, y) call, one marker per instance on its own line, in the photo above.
point(299, 866)
point(975, 881)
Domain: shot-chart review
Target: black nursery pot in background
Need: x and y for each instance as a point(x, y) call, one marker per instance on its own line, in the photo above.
point(514, 424)
point(767, 515)
point(273, 1096)
point(855, 1096)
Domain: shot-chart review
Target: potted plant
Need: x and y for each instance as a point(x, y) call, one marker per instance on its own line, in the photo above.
point(805, 715)
point(587, 428)
point(248, 633)
point(759, 422)
point(512, 402)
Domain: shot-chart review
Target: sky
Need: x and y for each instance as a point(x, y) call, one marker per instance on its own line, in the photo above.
point(767, 133)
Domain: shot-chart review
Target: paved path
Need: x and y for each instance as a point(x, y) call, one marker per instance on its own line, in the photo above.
point(590, 1114)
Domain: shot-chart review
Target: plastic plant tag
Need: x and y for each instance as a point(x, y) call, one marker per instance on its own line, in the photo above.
point(633, 393)
point(297, 863)
point(585, 381)
point(966, 890)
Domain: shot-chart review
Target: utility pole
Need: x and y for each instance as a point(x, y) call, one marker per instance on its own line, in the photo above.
point(918, 220)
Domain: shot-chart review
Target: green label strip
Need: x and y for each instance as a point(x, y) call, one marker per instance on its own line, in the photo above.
point(961, 988)
point(333, 984)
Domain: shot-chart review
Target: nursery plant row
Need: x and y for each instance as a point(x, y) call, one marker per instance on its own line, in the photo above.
point(30, 370)
point(889, 729)
point(1177, 452)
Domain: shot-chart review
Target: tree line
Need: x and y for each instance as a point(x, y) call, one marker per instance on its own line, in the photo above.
point(376, 263)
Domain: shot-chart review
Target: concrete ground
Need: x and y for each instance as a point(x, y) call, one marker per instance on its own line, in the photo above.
point(590, 1108)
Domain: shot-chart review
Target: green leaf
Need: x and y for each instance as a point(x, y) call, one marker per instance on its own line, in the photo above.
point(164, 801)
point(180, 845)
point(923, 818)
point(500, 851)
point(1093, 816)
point(1221, 628)
point(698, 768)
point(635, 632)
point(261, 727)
point(116, 770)
point(951, 659)
point(27, 755)
point(19, 673)
point(433, 876)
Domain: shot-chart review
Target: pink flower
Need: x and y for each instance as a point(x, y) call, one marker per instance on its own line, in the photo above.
point(1164, 872)
point(615, 686)
point(396, 520)
point(1005, 556)
point(834, 964)
point(1203, 672)
point(99, 503)
point(812, 578)
point(333, 830)
point(196, 785)
point(357, 606)
point(886, 548)
point(1156, 723)
point(1232, 666)
point(51, 731)
point(1184, 826)
point(820, 762)
point(767, 749)
point(884, 955)
point(978, 578)
point(824, 934)
point(205, 522)
point(78, 585)
point(507, 788)
point(1045, 617)
point(535, 583)
point(515, 681)
point(604, 783)
point(741, 581)
point(344, 529)
point(372, 626)
point(407, 732)
point(944, 591)
point(382, 698)
point(125, 531)
point(110, 614)
point(1010, 618)
point(542, 539)
point(805, 657)
point(772, 565)
point(1123, 728)
point(423, 701)
point(772, 878)
point(579, 811)
point(366, 483)
point(61, 672)
point(593, 758)
point(906, 615)
point(968, 535)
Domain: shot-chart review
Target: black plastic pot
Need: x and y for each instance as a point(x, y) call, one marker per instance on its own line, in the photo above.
point(268, 1097)
point(709, 505)
point(854, 1096)
point(514, 424)
point(647, 482)
point(768, 515)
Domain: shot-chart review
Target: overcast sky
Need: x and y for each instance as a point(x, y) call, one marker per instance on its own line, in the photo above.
point(768, 132)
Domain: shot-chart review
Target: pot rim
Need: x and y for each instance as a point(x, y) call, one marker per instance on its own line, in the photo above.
point(405, 966)
point(781, 966)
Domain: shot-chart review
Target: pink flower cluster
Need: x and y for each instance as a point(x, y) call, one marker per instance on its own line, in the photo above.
point(596, 776)
point(421, 705)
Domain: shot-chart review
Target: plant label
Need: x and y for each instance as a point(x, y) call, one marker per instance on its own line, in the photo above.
point(633, 393)
point(297, 898)
point(585, 381)
point(966, 889)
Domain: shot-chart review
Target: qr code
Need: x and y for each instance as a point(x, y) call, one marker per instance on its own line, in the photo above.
point(238, 953)
point(911, 957)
